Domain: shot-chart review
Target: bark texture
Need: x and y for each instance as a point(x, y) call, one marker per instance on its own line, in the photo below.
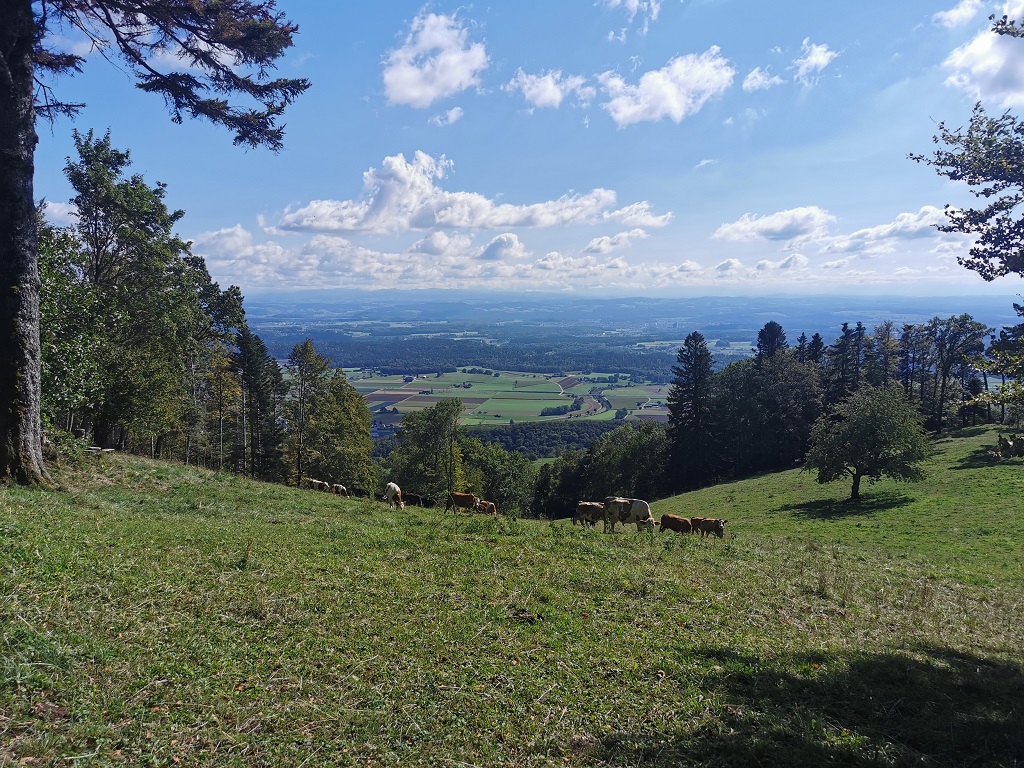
point(21, 453)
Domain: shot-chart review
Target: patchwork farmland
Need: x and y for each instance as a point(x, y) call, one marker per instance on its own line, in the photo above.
point(510, 396)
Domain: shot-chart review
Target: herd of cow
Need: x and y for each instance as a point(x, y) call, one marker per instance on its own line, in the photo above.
point(618, 510)
point(612, 510)
point(394, 497)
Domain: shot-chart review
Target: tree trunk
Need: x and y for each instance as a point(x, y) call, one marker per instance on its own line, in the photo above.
point(855, 490)
point(21, 434)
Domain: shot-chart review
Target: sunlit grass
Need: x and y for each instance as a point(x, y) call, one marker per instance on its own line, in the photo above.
point(155, 614)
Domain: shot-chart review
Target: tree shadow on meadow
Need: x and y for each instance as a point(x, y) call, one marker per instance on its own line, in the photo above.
point(938, 707)
point(869, 504)
point(983, 458)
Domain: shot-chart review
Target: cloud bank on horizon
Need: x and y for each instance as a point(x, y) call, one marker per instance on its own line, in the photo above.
point(642, 146)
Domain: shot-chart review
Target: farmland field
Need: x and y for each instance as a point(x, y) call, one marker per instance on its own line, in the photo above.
point(503, 396)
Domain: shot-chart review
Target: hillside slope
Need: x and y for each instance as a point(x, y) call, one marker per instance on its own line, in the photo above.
point(156, 614)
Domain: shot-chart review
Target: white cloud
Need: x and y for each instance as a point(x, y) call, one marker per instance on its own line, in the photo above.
point(790, 263)
point(837, 264)
point(441, 244)
point(729, 267)
point(61, 214)
point(990, 67)
point(648, 11)
point(878, 239)
point(446, 118)
point(435, 61)
point(813, 59)
point(760, 80)
point(677, 90)
point(793, 224)
point(504, 247)
point(550, 88)
point(607, 244)
point(705, 162)
point(958, 15)
point(402, 195)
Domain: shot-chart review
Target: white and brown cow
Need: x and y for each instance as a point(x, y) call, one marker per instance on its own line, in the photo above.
point(487, 507)
point(626, 511)
point(393, 495)
point(339, 489)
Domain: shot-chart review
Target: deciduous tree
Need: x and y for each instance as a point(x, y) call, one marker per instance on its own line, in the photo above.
point(875, 432)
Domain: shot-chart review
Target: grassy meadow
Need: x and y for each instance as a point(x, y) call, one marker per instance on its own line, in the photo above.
point(155, 614)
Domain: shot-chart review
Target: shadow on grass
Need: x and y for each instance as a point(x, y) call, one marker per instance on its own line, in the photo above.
point(869, 504)
point(980, 459)
point(941, 708)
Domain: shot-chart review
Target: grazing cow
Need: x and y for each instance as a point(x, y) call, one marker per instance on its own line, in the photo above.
point(360, 493)
point(588, 512)
point(626, 511)
point(457, 501)
point(710, 525)
point(318, 485)
point(413, 499)
point(393, 494)
point(487, 507)
point(695, 524)
point(339, 489)
point(676, 523)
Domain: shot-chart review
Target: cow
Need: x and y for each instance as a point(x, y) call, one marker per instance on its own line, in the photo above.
point(487, 507)
point(339, 489)
point(360, 493)
point(695, 524)
point(676, 523)
point(318, 485)
point(588, 513)
point(626, 511)
point(457, 501)
point(413, 499)
point(711, 525)
point(393, 494)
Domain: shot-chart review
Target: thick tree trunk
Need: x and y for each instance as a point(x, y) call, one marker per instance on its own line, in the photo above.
point(855, 490)
point(21, 445)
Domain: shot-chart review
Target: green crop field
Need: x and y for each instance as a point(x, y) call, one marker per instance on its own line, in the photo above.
point(156, 614)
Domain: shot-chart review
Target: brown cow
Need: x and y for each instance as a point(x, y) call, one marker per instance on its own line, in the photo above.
point(457, 501)
point(695, 524)
point(710, 525)
point(588, 512)
point(675, 523)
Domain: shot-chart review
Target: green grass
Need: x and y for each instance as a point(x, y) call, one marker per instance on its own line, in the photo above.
point(154, 614)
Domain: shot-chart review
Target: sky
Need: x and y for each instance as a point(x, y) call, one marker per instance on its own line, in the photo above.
point(594, 147)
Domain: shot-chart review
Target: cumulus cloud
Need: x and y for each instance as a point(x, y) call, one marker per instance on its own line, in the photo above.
point(446, 118)
point(504, 248)
point(679, 89)
point(989, 67)
point(812, 61)
point(607, 244)
point(436, 60)
point(402, 195)
point(879, 239)
point(790, 263)
point(550, 88)
point(789, 225)
point(442, 244)
point(729, 267)
point(958, 15)
point(760, 79)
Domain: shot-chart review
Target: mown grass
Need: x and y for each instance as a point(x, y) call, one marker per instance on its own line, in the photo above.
point(153, 614)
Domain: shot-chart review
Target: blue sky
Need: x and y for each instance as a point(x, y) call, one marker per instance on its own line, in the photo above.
point(633, 147)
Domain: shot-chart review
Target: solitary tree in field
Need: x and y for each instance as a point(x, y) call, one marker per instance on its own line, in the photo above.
point(226, 49)
point(875, 432)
